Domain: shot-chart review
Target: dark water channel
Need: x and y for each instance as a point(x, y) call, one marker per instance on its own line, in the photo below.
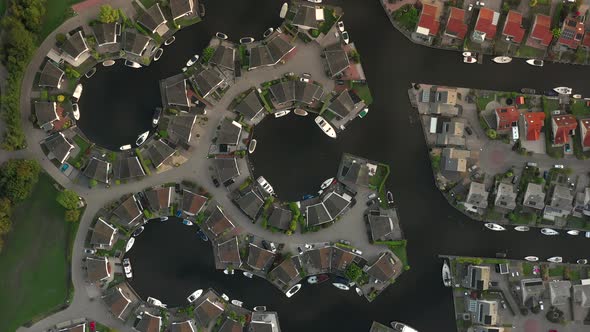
point(170, 261)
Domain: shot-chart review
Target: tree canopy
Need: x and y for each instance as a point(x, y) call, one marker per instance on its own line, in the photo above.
point(68, 199)
point(108, 14)
point(353, 272)
point(18, 177)
point(72, 215)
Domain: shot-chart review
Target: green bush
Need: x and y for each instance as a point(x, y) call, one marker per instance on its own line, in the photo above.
point(208, 54)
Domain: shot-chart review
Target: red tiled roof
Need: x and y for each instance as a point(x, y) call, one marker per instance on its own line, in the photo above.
point(585, 123)
point(534, 124)
point(512, 27)
point(506, 116)
point(456, 24)
point(586, 41)
point(485, 23)
point(520, 100)
point(428, 19)
point(542, 29)
point(572, 33)
point(564, 125)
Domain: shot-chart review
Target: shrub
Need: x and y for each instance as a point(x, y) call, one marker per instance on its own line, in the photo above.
point(492, 134)
point(108, 14)
point(207, 54)
point(68, 199)
point(72, 215)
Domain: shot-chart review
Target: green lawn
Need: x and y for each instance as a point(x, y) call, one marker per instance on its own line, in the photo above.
point(33, 264)
point(362, 90)
point(530, 52)
point(482, 102)
point(579, 108)
point(83, 145)
point(57, 12)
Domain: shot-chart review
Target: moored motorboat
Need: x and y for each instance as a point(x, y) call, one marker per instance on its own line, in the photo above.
point(318, 279)
point(155, 302)
point(401, 327)
point(237, 303)
point(446, 275)
point(341, 286)
point(125, 147)
point(555, 259)
point(577, 96)
point(582, 261)
point(248, 274)
point(187, 222)
point(325, 126)
point(108, 63)
point(252, 146)
point(564, 90)
point(532, 258)
point(300, 112)
point(194, 296)
point(522, 228)
point(494, 227)
point(279, 114)
point(284, 10)
point(469, 59)
point(293, 290)
point(326, 183)
point(141, 138)
point(390, 198)
point(502, 59)
point(260, 308)
point(549, 231)
point(573, 232)
point(358, 291)
point(535, 62)
point(129, 244)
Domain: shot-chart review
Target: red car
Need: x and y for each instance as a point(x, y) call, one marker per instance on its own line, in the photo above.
point(92, 326)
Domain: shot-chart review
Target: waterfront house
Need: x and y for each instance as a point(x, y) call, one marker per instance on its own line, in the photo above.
point(455, 160)
point(532, 124)
point(428, 23)
point(129, 213)
point(180, 128)
point(478, 277)
point(582, 203)
point(51, 76)
point(98, 170)
point(59, 147)
point(384, 269)
point(121, 301)
point(506, 118)
point(148, 323)
point(152, 18)
point(337, 59)
point(477, 198)
point(534, 197)
point(456, 26)
point(176, 94)
point(103, 235)
point(159, 151)
point(341, 259)
point(135, 42)
point(192, 203)
point(106, 33)
point(336, 203)
point(560, 205)
point(75, 47)
point(128, 168)
point(513, 30)
point(279, 217)
point(46, 114)
point(276, 48)
point(226, 168)
point(572, 32)
point(206, 80)
point(486, 25)
point(250, 203)
point(345, 107)
point(97, 269)
point(452, 133)
point(317, 214)
point(541, 32)
point(532, 290)
point(260, 259)
point(286, 273)
point(563, 126)
point(208, 310)
point(217, 223)
point(381, 227)
point(186, 326)
point(582, 295)
point(443, 100)
point(484, 312)
point(586, 41)
point(264, 321)
point(230, 325)
point(224, 56)
point(181, 8)
point(317, 260)
point(585, 133)
point(159, 198)
point(307, 16)
point(560, 292)
point(283, 94)
point(505, 197)
point(228, 252)
point(229, 132)
point(250, 107)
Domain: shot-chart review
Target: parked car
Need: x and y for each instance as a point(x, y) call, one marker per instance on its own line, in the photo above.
point(305, 80)
point(356, 251)
point(556, 112)
point(89, 251)
point(345, 242)
point(568, 147)
point(215, 182)
point(469, 131)
point(530, 164)
point(339, 82)
point(308, 246)
point(558, 166)
point(265, 245)
point(306, 75)
point(528, 91)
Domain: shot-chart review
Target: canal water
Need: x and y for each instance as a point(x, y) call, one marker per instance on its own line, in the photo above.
point(170, 261)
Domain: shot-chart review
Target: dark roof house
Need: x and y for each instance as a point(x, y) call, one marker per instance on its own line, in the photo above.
point(218, 223)
point(176, 94)
point(106, 33)
point(97, 269)
point(260, 259)
point(337, 59)
point(342, 105)
point(159, 198)
point(208, 311)
point(159, 151)
point(51, 76)
point(381, 227)
point(279, 217)
point(286, 272)
point(46, 113)
point(206, 81)
point(229, 252)
point(181, 8)
point(224, 57)
point(75, 45)
point(120, 301)
point(250, 203)
point(59, 147)
point(135, 42)
point(128, 168)
point(192, 203)
point(226, 168)
point(181, 127)
point(229, 133)
point(384, 268)
point(149, 323)
point(103, 234)
point(98, 170)
point(152, 18)
point(128, 212)
point(250, 106)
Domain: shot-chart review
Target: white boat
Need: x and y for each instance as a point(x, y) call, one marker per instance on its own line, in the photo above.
point(358, 291)
point(237, 303)
point(132, 64)
point(228, 271)
point(549, 231)
point(248, 274)
point(155, 302)
point(284, 10)
point(76, 111)
point(163, 218)
point(469, 59)
point(573, 232)
point(300, 112)
point(252, 146)
point(401, 327)
point(446, 275)
point(325, 126)
point(556, 259)
point(225, 297)
point(129, 244)
point(326, 183)
point(582, 261)
point(532, 258)
point(535, 62)
point(260, 308)
point(141, 138)
point(293, 290)
point(187, 222)
point(125, 147)
point(341, 286)
point(577, 96)
point(469, 54)
point(127, 268)
point(494, 227)
point(77, 92)
point(281, 113)
point(502, 59)
point(194, 296)
point(564, 90)
point(312, 280)
point(169, 40)
point(522, 228)
point(108, 63)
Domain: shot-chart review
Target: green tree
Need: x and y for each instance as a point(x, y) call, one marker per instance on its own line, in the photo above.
point(556, 32)
point(353, 272)
point(492, 134)
point(92, 183)
point(29, 12)
point(108, 14)
point(18, 177)
point(207, 54)
point(72, 215)
point(5, 214)
point(68, 199)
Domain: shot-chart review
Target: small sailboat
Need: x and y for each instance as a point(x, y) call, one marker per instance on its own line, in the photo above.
point(279, 114)
point(549, 231)
point(326, 183)
point(573, 232)
point(564, 90)
point(125, 147)
point(502, 59)
point(141, 138)
point(187, 222)
point(129, 244)
point(532, 258)
point(535, 62)
point(293, 290)
point(522, 228)
point(341, 286)
point(300, 112)
point(252, 146)
point(494, 227)
point(556, 259)
point(446, 275)
point(582, 261)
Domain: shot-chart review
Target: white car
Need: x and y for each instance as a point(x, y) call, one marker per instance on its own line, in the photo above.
point(340, 26)
point(558, 166)
point(470, 7)
point(358, 252)
point(192, 60)
point(76, 111)
point(221, 35)
point(90, 251)
point(480, 3)
point(304, 80)
point(246, 40)
point(469, 59)
point(556, 112)
point(345, 37)
point(265, 185)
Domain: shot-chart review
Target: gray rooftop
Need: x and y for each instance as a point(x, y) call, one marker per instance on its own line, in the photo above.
point(317, 214)
point(102, 233)
point(208, 311)
point(98, 170)
point(477, 196)
point(152, 18)
point(259, 258)
point(260, 56)
point(75, 45)
point(560, 292)
point(337, 59)
point(51, 75)
point(562, 198)
point(224, 57)
point(229, 133)
point(384, 267)
point(159, 151)
point(207, 80)
point(227, 168)
point(250, 203)
point(307, 92)
point(105, 33)
point(149, 323)
point(582, 295)
point(159, 198)
point(505, 197)
point(279, 217)
point(181, 127)
point(335, 204)
point(250, 106)
point(192, 203)
point(135, 42)
point(96, 269)
point(283, 92)
point(59, 146)
point(128, 168)
point(278, 47)
point(342, 105)
point(179, 8)
point(534, 197)
point(45, 111)
point(305, 16)
point(381, 227)
point(176, 94)
point(128, 212)
point(229, 252)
